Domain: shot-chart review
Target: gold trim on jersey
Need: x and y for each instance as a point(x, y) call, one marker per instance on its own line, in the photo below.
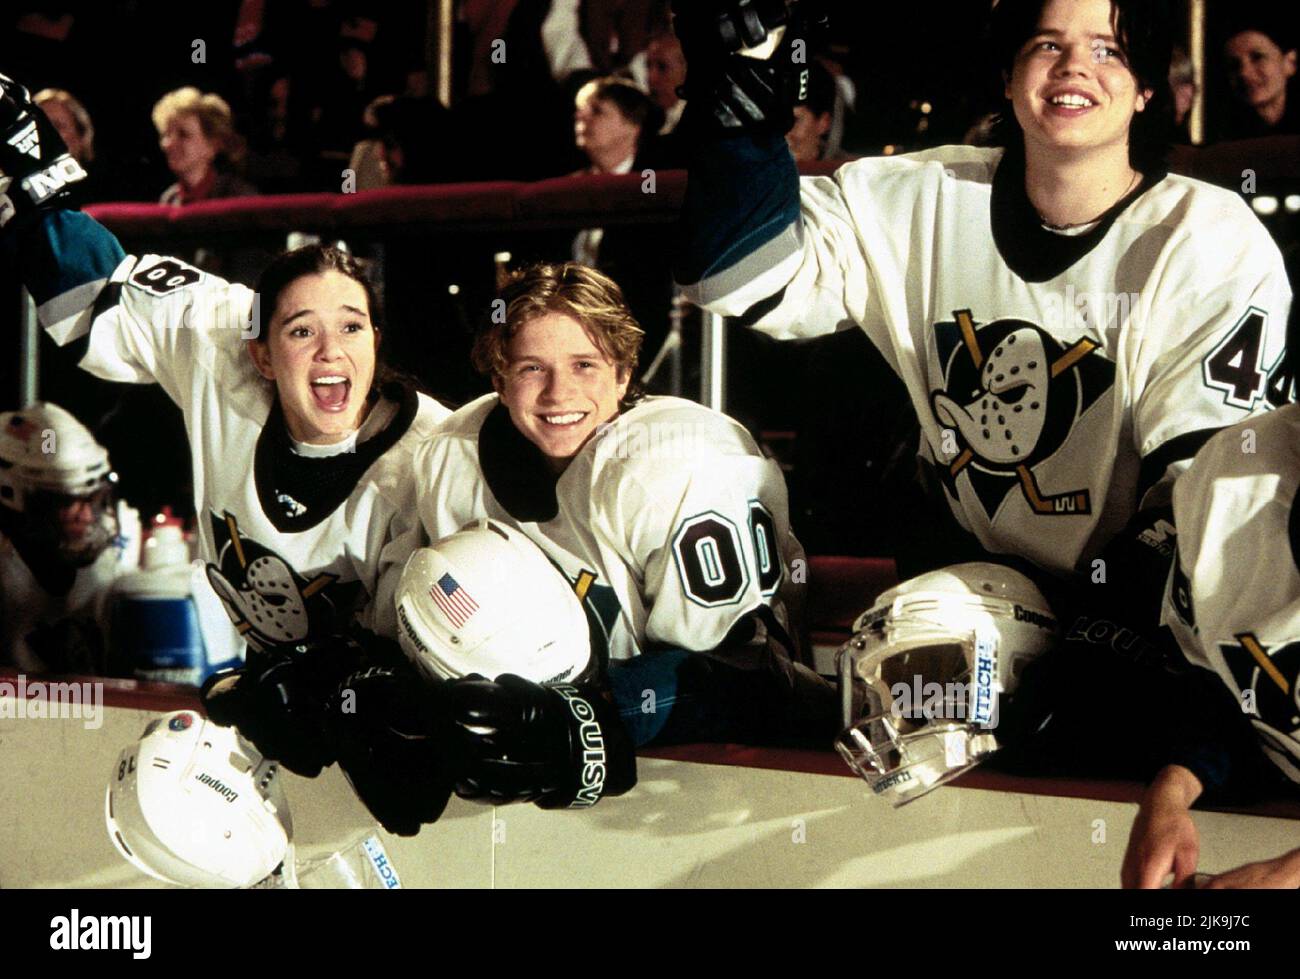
point(583, 584)
point(1251, 645)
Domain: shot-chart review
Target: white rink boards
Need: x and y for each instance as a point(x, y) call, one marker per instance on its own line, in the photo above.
point(686, 824)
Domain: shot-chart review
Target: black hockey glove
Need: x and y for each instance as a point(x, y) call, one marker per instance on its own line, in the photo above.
point(729, 92)
point(278, 700)
point(36, 171)
point(392, 746)
point(561, 746)
point(1110, 627)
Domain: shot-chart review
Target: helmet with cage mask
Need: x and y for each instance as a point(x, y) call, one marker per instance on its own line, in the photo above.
point(57, 489)
point(934, 658)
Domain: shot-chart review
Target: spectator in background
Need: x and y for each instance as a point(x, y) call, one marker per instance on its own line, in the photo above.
point(513, 106)
point(612, 119)
point(70, 118)
point(197, 134)
point(665, 74)
point(1182, 82)
point(73, 124)
point(812, 122)
point(199, 140)
point(665, 71)
point(1260, 53)
point(616, 124)
point(560, 31)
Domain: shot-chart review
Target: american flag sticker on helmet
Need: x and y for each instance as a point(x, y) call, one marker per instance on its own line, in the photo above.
point(454, 600)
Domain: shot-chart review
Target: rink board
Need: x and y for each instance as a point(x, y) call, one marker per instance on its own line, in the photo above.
point(704, 817)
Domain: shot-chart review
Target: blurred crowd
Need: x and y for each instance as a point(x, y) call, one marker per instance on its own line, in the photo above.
point(287, 97)
point(249, 96)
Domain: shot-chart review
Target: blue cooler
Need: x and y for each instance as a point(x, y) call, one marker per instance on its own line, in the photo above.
point(166, 619)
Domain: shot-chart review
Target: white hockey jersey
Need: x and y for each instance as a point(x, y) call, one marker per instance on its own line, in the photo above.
point(1233, 598)
point(26, 606)
point(287, 572)
point(1057, 378)
point(670, 523)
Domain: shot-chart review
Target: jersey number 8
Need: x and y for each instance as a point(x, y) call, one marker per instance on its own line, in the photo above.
point(166, 276)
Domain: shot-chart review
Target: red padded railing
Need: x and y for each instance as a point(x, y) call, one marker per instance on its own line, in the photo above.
point(586, 201)
point(578, 201)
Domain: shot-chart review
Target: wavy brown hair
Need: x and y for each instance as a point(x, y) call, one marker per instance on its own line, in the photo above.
point(214, 117)
point(589, 296)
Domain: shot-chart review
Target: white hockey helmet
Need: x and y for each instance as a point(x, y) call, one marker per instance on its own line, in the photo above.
point(486, 600)
point(193, 803)
point(57, 478)
point(933, 656)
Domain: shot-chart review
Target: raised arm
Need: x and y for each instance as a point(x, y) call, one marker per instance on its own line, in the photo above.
point(142, 318)
point(749, 243)
point(36, 172)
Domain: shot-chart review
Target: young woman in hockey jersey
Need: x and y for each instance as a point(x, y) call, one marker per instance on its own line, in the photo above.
point(665, 516)
point(301, 441)
point(1071, 321)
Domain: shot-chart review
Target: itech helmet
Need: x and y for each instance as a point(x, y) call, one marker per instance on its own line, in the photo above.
point(194, 804)
point(934, 656)
point(486, 600)
point(56, 485)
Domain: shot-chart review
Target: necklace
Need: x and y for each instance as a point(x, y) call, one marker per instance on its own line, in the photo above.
point(1137, 177)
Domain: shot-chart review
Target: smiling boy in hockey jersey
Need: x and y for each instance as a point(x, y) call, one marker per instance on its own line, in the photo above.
point(663, 516)
point(1071, 321)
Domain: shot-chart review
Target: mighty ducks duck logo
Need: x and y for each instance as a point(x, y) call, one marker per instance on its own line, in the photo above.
point(1011, 396)
point(269, 602)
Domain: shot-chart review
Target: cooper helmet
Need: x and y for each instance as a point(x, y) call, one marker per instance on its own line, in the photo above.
point(56, 483)
point(486, 600)
point(194, 804)
point(934, 657)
